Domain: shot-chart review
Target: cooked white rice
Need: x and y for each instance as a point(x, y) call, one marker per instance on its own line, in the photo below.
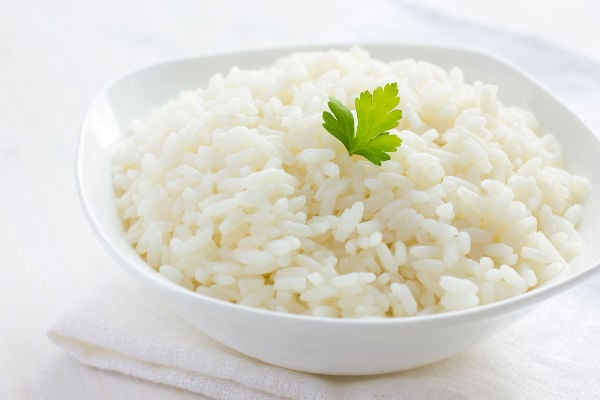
point(237, 192)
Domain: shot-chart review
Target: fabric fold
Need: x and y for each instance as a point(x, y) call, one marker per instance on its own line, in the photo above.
point(552, 353)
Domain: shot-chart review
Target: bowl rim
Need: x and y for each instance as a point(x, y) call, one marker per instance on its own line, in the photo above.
point(156, 281)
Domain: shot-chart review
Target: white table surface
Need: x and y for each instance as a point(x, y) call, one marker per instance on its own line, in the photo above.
point(55, 54)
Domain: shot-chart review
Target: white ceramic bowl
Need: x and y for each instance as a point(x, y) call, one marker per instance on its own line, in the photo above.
point(313, 344)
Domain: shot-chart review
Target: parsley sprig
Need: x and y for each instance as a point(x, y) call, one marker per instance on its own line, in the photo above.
point(376, 113)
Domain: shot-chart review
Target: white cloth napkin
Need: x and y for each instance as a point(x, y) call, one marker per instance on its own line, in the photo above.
point(553, 353)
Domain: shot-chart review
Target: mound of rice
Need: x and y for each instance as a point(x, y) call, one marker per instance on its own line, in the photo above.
point(237, 192)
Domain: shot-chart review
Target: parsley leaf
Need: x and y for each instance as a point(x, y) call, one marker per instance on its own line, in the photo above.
point(376, 114)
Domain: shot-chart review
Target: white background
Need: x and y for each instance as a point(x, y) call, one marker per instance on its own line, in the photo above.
point(55, 54)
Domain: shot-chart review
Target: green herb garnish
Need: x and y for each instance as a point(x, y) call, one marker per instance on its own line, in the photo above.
point(376, 114)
